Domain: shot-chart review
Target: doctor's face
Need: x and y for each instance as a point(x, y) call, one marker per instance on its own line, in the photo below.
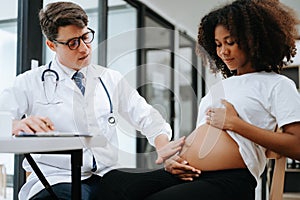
point(73, 58)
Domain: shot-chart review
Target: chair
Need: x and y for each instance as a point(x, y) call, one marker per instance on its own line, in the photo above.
point(277, 180)
point(2, 181)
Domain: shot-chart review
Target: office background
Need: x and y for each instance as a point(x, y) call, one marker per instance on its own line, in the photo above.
point(151, 43)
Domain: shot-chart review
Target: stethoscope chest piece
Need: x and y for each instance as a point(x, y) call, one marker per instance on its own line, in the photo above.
point(111, 119)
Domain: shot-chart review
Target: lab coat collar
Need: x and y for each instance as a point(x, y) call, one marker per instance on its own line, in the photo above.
point(57, 66)
point(64, 75)
point(65, 72)
point(92, 72)
point(95, 71)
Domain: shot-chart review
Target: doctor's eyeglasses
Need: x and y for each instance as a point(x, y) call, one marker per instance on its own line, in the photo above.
point(74, 43)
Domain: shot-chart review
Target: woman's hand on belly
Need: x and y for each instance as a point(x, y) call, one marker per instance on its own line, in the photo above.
point(222, 118)
point(180, 168)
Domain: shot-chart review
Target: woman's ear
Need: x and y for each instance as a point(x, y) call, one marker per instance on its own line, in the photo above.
point(51, 45)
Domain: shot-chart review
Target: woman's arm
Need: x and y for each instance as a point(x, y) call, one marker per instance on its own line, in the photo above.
point(286, 144)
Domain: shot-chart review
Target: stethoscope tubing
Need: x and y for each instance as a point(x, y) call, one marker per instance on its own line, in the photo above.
point(111, 119)
point(107, 94)
point(51, 71)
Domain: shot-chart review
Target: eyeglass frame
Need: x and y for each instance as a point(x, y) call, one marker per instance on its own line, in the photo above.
point(78, 39)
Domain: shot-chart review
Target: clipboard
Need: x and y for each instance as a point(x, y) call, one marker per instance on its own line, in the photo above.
point(54, 134)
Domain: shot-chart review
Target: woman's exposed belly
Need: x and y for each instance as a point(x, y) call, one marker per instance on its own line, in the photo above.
point(208, 148)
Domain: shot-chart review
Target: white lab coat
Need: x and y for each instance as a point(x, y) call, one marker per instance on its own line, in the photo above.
point(70, 111)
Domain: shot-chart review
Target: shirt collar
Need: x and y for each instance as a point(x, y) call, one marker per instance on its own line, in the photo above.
point(68, 71)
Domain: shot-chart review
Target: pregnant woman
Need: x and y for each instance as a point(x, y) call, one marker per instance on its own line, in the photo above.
point(249, 41)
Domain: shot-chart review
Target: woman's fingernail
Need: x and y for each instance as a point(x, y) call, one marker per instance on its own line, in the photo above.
point(184, 162)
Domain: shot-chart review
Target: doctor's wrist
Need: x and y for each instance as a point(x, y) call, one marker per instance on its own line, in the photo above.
point(160, 141)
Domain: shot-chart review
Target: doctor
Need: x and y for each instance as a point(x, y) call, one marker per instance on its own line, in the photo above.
point(51, 100)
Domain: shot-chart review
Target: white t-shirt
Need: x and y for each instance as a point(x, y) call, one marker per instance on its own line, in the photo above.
point(262, 99)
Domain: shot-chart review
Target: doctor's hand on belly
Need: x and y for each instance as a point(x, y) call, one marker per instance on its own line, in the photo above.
point(168, 150)
point(32, 124)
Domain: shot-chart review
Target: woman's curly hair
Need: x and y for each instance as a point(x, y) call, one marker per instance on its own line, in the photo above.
point(264, 29)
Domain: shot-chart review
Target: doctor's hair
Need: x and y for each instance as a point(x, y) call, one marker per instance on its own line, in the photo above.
point(264, 29)
point(60, 14)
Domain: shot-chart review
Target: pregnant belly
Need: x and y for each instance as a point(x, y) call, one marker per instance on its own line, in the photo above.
point(208, 148)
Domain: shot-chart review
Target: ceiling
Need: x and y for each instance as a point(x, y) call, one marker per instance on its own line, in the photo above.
point(186, 14)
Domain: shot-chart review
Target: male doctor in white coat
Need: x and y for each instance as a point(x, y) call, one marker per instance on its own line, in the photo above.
point(52, 101)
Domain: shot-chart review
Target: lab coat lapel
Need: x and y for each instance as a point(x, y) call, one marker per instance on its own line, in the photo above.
point(93, 75)
point(92, 88)
point(95, 72)
point(64, 79)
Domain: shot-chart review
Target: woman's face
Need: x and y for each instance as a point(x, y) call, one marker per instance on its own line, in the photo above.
point(230, 53)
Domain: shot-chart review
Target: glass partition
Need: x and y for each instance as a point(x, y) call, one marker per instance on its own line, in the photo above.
point(8, 54)
point(156, 77)
point(122, 56)
point(187, 86)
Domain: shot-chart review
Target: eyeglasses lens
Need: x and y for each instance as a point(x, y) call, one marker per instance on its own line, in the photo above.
point(87, 38)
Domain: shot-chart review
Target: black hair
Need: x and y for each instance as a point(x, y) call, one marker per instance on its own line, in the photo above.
point(264, 29)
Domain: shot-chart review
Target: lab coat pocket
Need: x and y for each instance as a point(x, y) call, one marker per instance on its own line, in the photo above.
point(50, 94)
point(47, 107)
point(47, 101)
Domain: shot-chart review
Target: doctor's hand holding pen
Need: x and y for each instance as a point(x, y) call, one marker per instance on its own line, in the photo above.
point(32, 124)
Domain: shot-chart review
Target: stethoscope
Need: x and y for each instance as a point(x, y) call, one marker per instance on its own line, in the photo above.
point(110, 119)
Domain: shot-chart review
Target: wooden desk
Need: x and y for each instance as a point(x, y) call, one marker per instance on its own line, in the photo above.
point(68, 145)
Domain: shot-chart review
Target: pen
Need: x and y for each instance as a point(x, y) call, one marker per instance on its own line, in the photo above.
point(24, 134)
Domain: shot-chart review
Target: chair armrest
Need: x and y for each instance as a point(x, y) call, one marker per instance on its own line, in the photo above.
point(272, 155)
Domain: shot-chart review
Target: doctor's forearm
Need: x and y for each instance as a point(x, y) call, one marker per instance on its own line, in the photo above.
point(160, 141)
point(166, 149)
